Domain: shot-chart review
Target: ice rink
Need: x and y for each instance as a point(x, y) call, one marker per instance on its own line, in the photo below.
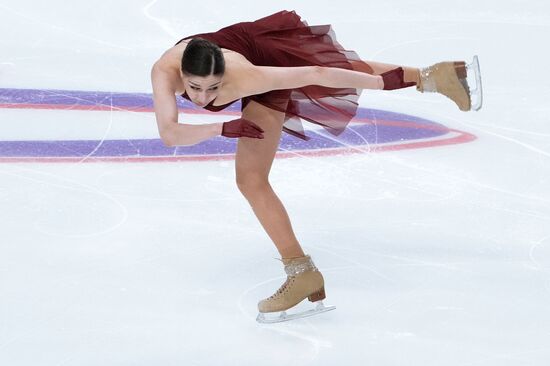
point(431, 226)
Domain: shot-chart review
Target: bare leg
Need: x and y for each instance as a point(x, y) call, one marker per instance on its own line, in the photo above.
point(377, 68)
point(253, 163)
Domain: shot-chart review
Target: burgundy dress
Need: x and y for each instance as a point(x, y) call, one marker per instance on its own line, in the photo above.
point(283, 39)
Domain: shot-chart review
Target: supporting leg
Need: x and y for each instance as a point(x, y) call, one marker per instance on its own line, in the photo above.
point(253, 163)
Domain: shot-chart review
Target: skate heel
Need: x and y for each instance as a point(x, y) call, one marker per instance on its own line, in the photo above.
point(460, 69)
point(317, 296)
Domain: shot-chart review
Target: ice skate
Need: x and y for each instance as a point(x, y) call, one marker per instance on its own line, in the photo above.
point(303, 281)
point(457, 80)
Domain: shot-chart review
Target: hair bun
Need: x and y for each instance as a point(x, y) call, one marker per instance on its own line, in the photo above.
point(202, 58)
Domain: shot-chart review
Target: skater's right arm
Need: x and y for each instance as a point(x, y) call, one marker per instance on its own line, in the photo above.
point(171, 132)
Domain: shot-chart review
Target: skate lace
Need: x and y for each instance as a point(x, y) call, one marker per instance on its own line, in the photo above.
point(283, 287)
point(294, 269)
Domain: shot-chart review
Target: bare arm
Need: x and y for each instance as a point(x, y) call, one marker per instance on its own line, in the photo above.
point(166, 112)
point(266, 78)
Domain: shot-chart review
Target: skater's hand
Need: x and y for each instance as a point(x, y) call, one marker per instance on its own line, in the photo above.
point(393, 79)
point(241, 127)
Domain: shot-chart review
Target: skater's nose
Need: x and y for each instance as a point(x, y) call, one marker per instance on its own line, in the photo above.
point(201, 98)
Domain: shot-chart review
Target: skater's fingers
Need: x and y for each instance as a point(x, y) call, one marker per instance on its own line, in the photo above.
point(252, 131)
point(255, 135)
point(253, 125)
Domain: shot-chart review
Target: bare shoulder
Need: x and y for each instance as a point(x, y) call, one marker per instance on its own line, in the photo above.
point(171, 57)
point(165, 71)
point(163, 80)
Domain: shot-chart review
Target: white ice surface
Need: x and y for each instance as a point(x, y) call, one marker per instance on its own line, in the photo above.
point(436, 256)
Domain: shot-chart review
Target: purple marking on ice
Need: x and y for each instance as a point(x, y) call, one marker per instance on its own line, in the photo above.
point(355, 134)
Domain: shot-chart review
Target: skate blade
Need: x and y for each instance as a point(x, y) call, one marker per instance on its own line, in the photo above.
point(269, 318)
point(474, 78)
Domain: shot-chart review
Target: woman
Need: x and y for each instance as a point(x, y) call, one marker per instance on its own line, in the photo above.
point(284, 71)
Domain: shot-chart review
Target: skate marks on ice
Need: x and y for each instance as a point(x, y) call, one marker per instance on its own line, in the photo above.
point(488, 128)
point(42, 22)
point(55, 222)
point(536, 251)
point(303, 330)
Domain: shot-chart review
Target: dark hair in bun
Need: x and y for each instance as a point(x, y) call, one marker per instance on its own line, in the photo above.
point(202, 58)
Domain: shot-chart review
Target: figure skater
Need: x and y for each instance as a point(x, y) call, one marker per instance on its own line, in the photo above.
point(283, 71)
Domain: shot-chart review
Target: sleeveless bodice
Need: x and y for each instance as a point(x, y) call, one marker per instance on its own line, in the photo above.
point(283, 39)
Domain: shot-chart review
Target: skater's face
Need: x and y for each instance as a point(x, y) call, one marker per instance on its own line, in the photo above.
point(202, 89)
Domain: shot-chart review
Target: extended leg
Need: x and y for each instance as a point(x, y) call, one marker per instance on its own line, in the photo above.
point(447, 78)
point(411, 74)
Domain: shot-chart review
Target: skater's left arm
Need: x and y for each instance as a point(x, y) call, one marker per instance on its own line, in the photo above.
point(266, 78)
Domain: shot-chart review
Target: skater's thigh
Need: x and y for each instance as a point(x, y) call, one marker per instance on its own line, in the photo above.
point(255, 156)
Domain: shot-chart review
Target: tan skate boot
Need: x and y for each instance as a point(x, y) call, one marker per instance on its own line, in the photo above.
point(449, 79)
point(303, 280)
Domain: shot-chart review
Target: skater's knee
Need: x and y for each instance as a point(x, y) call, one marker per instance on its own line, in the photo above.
point(251, 184)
